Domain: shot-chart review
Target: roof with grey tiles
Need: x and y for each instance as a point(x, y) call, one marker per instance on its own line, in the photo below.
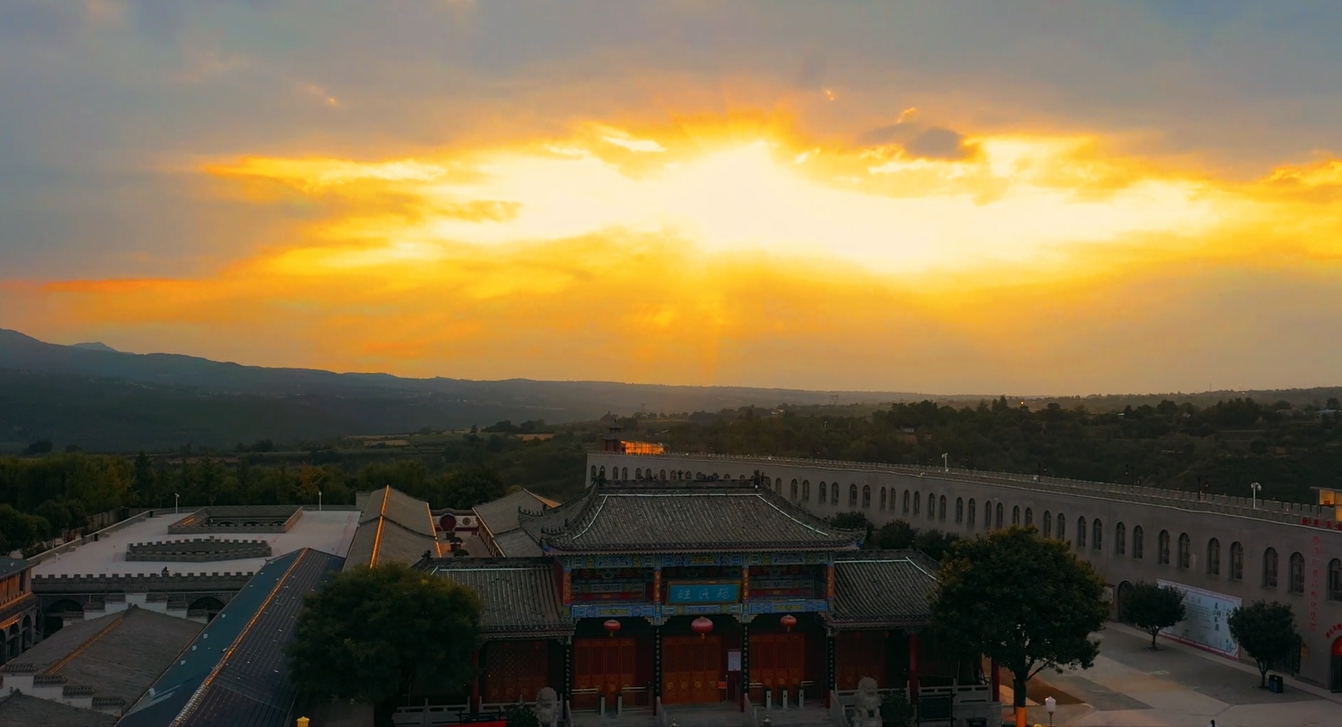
point(519, 594)
point(880, 588)
point(393, 526)
point(21, 710)
point(119, 654)
point(683, 517)
point(500, 516)
point(517, 544)
point(10, 566)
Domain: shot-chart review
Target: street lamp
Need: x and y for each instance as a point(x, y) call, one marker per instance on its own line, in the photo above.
point(946, 461)
point(1051, 706)
point(175, 498)
point(319, 500)
point(1254, 488)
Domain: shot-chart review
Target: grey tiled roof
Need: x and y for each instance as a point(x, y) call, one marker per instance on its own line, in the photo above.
point(500, 515)
point(875, 588)
point(21, 710)
point(119, 654)
point(517, 544)
point(519, 594)
point(683, 517)
point(10, 566)
point(393, 526)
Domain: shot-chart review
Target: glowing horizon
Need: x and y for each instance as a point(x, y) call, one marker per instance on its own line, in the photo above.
point(631, 224)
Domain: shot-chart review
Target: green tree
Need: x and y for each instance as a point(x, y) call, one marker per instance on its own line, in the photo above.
point(371, 634)
point(469, 487)
point(1267, 632)
point(1153, 607)
point(851, 521)
point(896, 535)
point(1026, 601)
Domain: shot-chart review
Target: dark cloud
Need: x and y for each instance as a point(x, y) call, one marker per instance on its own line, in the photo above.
point(938, 143)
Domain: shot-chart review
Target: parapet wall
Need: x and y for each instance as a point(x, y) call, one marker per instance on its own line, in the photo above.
point(238, 519)
point(197, 550)
point(139, 582)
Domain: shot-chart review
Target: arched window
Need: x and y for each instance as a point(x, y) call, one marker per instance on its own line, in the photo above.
point(1062, 526)
point(970, 521)
point(906, 502)
point(624, 473)
point(1236, 561)
point(1335, 580)
point(1081, 532)
point(959, 510)
point(834, 494)
point(941, 509)
point(603, 472)
point(638, 473)
point(1163, 557)
point(931, 506)
point(594, 472)
point(866, 496)
point(852, 496)
point(1029, 516)
point(767, 482)
point(1213, 557)
point(778, 484)
point(1138, 542)
point(794, 490)
point(824, 493)
point(882, 498)
point(805, 490)
point(1120, 539)
point(1015, 515)
point(1096, 535)
point(1297, 584)
point(1048, 524)
point(1270, 568)
point(1185, 551)
point(1000, 510)
point(917, 502)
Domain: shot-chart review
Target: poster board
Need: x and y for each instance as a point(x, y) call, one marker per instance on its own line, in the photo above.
point(1205, 621)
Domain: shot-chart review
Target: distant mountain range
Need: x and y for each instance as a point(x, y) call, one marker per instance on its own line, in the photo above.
point(98, 398)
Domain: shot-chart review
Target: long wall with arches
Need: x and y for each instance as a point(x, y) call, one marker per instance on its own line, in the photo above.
point(1252, 551)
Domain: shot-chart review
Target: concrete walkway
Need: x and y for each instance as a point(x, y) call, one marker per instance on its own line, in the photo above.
point(1177, 686)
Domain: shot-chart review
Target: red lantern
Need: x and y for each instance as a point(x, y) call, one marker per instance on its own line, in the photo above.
point(702, 626)
point(612, 626)
point(788, 621)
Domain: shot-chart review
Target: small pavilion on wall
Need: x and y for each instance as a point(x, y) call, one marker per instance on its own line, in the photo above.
point(701, 593)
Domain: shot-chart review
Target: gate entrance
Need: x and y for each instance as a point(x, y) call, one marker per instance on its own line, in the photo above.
point(777, 662)
point(691, 669)
point(1335, 674)
point(601, 666)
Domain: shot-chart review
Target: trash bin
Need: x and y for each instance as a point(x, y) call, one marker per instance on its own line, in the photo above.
point(1275, 684)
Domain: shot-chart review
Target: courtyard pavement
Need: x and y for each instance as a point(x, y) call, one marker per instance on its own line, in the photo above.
point(1177, 686)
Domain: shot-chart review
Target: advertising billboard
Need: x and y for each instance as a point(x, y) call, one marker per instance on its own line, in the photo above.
point(1205, 620)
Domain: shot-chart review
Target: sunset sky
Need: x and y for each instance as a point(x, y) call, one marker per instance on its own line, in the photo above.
point(950, 197)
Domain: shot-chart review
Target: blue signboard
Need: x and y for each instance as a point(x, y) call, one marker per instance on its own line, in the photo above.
point(703, 592)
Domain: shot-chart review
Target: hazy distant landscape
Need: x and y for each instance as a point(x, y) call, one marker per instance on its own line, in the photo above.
point(98, 399)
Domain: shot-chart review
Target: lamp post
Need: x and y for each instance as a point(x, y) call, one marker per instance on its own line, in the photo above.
point(175, 498)
point(946, 461)
point(319, 500)
point(1254, 487)
point(1051, 706)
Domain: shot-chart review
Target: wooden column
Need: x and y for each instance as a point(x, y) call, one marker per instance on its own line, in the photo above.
point(996, 681)
point(657, 584)
point(566, 587)
point(913, 667)
point(745, 665)
point(475, 681)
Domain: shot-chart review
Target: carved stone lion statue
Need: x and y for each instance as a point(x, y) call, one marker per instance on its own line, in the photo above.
point(868, 704)
point(547, 707)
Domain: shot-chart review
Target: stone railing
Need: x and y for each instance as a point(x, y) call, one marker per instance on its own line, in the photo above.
point(1272, 510)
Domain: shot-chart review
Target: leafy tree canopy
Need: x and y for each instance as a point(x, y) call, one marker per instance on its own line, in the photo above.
point(1152, 607)
point(1267, 632)
point(371, 633)
point(1026, 601)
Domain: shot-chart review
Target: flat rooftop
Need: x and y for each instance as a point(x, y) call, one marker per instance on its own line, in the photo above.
point(329, 531)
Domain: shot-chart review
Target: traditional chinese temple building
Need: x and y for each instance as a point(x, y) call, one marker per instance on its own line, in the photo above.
point(666, 593)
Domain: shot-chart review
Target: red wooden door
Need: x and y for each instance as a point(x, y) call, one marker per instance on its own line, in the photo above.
point(691, 669)
point(605, 665)
point(515, 669)
point(859, 654)
point(778, 661)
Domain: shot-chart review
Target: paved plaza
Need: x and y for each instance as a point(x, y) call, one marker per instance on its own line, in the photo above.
point(1177, 686)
